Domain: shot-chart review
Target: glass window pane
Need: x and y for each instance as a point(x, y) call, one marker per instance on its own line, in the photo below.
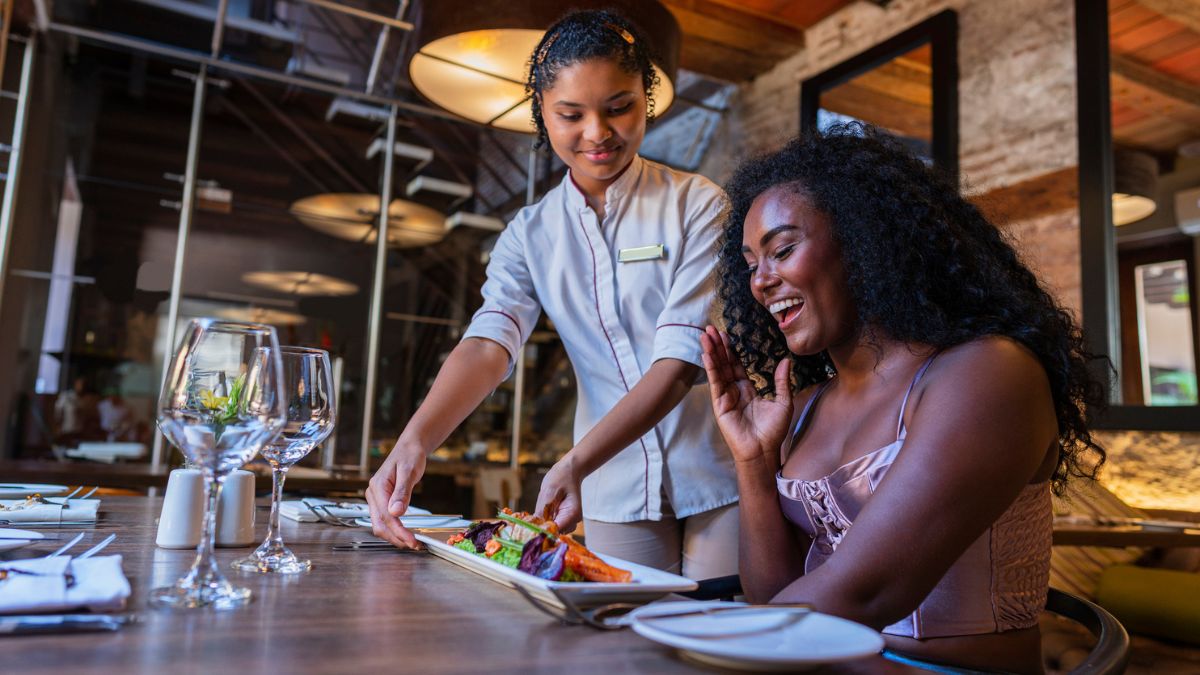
point(92, 252)
point(261, 250)
point(1165, 334)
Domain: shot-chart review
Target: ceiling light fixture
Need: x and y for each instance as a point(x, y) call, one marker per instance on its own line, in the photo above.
point(472, 58)
point(355, 217)
point(1135, 182)
point(300, 283)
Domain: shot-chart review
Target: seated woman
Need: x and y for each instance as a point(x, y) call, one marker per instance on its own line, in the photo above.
point(900, 395)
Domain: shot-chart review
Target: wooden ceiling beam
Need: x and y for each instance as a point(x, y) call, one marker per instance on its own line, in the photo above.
point(729, 44)
point(1042, 195)
point(722, 62)
point(1151, 91)
point(1186, 12)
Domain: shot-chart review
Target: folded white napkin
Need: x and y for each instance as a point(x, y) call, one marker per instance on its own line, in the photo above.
point(297, 510)
point(42, 584)
point(77, 509)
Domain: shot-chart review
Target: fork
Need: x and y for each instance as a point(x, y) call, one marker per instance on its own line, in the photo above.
point(67, 546)
point(321, 511)
point(97, 548)
point(63, 503)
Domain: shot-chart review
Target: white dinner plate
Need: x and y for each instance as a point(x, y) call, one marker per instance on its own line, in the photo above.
point(648, 583)
point(21, 490)
point(755, 640)
point(9, 538)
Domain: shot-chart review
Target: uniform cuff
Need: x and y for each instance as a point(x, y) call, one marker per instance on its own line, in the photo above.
point(679, 341)
point(499, 327)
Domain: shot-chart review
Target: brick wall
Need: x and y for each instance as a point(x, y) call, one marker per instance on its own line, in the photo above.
point(1016, 105)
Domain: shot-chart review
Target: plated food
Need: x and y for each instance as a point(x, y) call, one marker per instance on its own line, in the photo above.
point(533, 545)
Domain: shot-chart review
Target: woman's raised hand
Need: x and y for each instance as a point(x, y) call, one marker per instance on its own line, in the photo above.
point(753, 426)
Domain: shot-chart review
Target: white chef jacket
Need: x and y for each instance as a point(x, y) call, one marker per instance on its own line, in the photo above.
point(617, 318)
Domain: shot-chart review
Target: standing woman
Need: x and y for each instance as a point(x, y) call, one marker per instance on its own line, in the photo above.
point(648, 473)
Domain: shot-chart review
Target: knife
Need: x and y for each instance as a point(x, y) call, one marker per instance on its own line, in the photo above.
point(63, 623)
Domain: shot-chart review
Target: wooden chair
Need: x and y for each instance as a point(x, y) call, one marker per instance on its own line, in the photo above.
point(496, 487)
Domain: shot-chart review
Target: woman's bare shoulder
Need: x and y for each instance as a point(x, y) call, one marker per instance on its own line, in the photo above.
point(994, 359)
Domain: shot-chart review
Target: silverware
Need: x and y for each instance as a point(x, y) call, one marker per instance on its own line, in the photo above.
point(374, 545)
point(794, 614)
point(63, 623)
point(53, 523)
point(67, 546)
point(64, 499)
point(97, 548)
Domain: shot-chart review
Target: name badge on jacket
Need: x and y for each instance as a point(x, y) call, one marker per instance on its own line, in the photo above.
point(654, 252)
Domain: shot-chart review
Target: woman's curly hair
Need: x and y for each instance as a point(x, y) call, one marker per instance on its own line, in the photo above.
point(588, 34)
point(923, 266)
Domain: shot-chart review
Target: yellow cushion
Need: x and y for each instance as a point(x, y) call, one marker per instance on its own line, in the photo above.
point(1158, 603)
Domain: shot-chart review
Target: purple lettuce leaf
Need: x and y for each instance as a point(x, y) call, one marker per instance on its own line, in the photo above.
point(481, 533)
point(531, 554)
point(551, 564)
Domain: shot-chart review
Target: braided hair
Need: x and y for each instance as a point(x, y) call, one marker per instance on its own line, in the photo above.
point(582, 35)
point(922, 264)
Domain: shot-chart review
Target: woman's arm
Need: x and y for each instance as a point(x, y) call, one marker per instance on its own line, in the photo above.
point(658, 391)
point(981, 427)
point(472, 371)
point(770, 553)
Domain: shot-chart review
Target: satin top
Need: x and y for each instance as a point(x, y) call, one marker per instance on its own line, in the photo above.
point(998, 584)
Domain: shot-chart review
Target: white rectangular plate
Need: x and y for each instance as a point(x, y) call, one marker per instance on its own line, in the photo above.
point(648, 583)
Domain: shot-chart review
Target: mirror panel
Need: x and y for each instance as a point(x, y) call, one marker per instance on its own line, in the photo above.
point(896, 96)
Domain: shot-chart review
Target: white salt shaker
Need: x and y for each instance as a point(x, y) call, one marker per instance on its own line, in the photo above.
point(182, 518)
point(235, 510)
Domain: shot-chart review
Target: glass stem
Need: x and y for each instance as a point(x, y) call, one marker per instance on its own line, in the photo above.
point(278, 475)
point(205, 564)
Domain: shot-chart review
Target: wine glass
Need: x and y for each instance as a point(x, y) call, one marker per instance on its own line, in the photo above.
point(311, 415)
point(222, 400)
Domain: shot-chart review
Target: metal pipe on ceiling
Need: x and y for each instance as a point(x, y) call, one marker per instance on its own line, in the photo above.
point(360, 13)
point(190, 56)
point(380, 45)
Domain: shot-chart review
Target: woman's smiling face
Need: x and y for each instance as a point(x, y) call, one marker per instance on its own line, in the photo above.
point(595, 116)
point(796, 270)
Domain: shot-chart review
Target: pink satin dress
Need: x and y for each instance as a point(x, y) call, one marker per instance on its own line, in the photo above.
point(998, 584)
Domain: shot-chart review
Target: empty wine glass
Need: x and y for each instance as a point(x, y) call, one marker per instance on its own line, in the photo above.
point(308, 392)
point(222, 400)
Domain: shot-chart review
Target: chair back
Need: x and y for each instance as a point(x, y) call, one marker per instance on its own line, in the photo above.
point(1110, 655)
point(497, 486)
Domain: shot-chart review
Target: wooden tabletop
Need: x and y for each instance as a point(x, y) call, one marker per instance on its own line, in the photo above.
point(355, 612)
point(1122, 536)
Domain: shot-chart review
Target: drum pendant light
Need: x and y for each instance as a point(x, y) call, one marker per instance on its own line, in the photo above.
point(472, 58)
point(1135, 182)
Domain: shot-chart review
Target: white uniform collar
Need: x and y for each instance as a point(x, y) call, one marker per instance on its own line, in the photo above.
point(621, 186)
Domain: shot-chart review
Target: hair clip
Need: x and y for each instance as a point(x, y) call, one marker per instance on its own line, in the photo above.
point(625, 35)
point(541, 54)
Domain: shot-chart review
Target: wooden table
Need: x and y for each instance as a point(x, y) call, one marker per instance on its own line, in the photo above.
point(1122, 536)
point(355, 612)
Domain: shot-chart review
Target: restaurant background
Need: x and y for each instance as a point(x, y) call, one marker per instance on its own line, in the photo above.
point(107, 140)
